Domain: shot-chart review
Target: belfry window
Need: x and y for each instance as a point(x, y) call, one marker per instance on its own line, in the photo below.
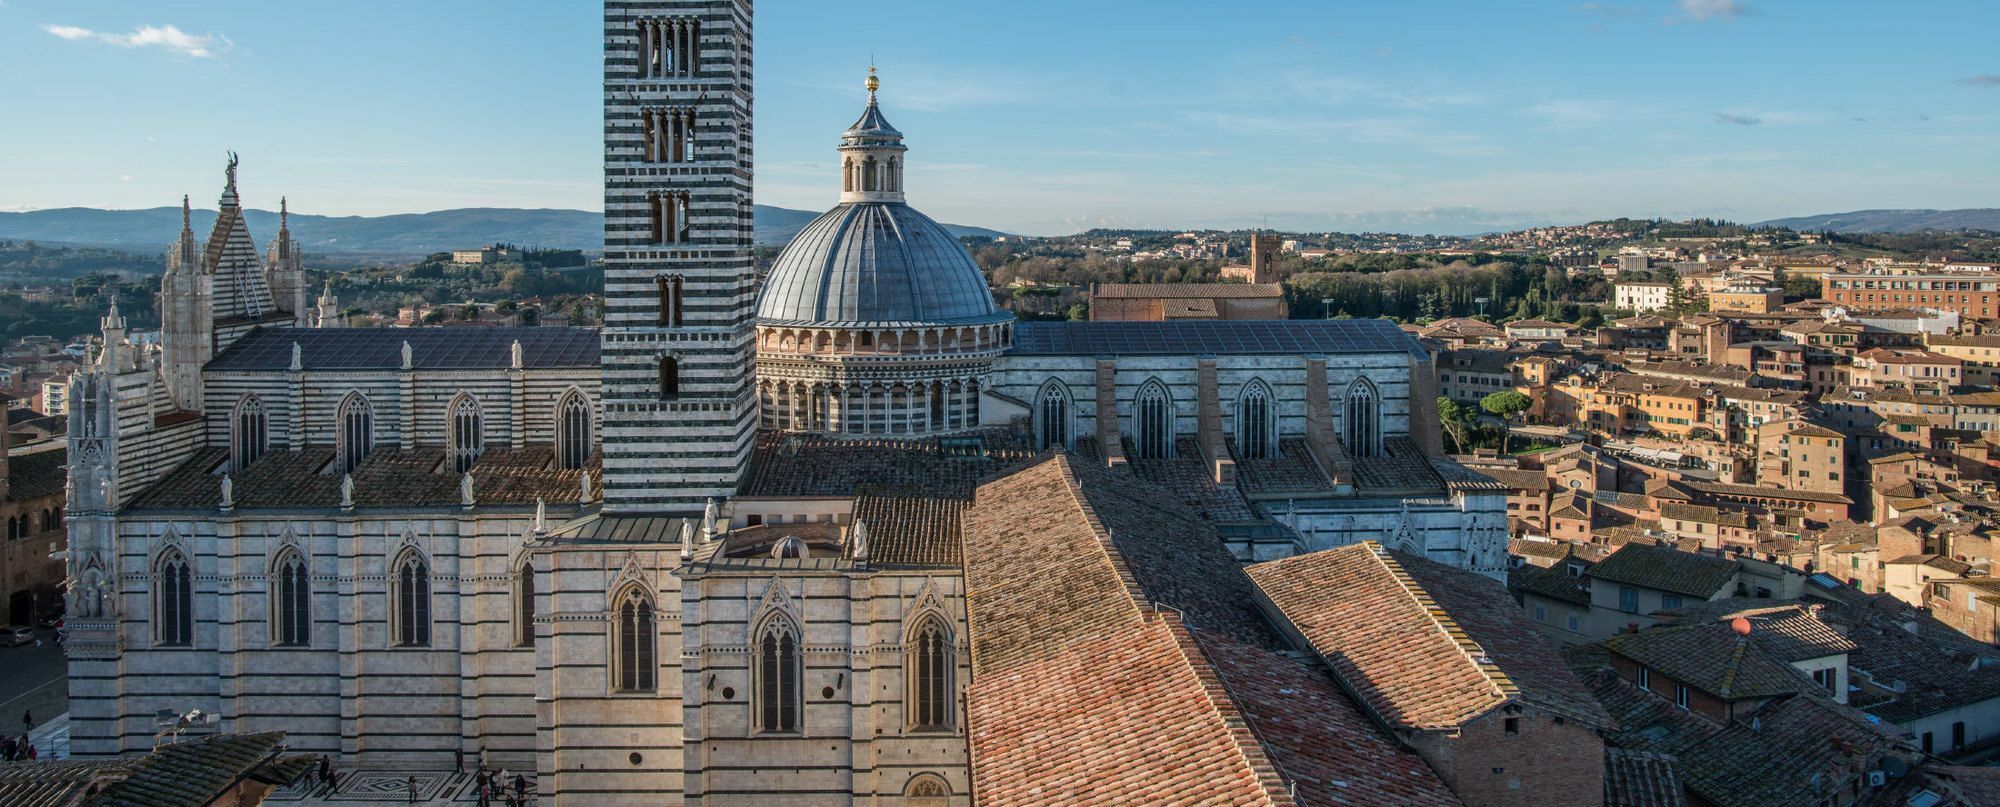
point(1052, 417)
point(1156, 422)
point(667, 135)
point(410, 588)
point(668, 48)
point(669, 212)
point(636, 639)
point(779, 670)
point(573, 430)
point(670, 378)
point(467, 434)
point(1253, 422)
point(356, 431)
point(927, 670)
point(250, 436)
point(291, 602)
point(173, 602)
point(670, 287)
point(1362, 420)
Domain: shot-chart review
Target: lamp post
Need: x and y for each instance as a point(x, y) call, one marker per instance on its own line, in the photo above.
point(1326, 307)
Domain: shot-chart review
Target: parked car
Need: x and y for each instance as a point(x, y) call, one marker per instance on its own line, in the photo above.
point(19, 635)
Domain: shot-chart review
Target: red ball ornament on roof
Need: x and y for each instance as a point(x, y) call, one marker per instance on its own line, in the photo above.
point(1741, 625)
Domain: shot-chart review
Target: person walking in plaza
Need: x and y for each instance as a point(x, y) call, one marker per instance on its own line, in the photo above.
point(413, 790)
point(521, 787)
point(27, 721)
point(458, 760)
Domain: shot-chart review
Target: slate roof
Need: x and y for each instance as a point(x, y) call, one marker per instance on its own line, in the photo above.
point(1426, 646)
point(1641, 779)
point(546, 347)
point(1287, 337)
point(1663, 569)
point(31, 476)
point(387, 477)
point(1084, 693)
point(1183, 290)
point(194, 772)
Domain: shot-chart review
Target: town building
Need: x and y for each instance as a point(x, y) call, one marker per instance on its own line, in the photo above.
point(1168, 302)
point(1641, 297)
point(1967, 294)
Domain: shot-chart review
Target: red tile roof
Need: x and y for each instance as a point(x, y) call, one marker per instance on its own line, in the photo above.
point(1427, 646)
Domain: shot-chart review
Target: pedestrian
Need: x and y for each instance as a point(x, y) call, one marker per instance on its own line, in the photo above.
point(31, 752)
point(458, 760)
point(325, 771)
point(7, 748)
point(27, 721)
point(521, 786)
point(484, 793)
point(413, 790)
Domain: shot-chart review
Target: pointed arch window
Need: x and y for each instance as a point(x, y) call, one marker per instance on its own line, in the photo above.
point(573, 429)
point(410, 588)
point(173, 601)
point(670, 378)
point(1156, 421)
point(524, 605)
point(291, 601)
point(779, 670)
point(637, 640)
point(1362, 420)
point(1255, 421)
point(1052, 416)
point(467, 433)
point(356, 431)
point(250, 435)
point(928, 665)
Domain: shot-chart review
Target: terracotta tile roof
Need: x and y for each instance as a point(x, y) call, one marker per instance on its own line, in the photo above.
point(1185, 290)
point(910, 529)
point(1427, 646)
point(1927, 676)
point(1083, 694)
point(43, 473)
point(1526, 481)
point(194, 772)
point(1704, 514)
point(795, 464)
point(1292, 471)
point(388, 477)
point(1184, 480)
point(1663, 569)
point(57, 783)
point(1712, 658)
point(1554, 582)
point(334, 349)
point(1641, 779)
point(1790, 631)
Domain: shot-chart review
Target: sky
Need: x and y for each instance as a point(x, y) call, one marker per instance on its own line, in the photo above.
point(1043, 116)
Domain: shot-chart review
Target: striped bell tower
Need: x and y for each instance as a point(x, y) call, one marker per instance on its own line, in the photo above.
point(680, 288)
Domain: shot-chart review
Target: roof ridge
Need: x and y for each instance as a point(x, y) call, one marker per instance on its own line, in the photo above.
point(1104, 540)
point(1242, 733)
point(1472, 651)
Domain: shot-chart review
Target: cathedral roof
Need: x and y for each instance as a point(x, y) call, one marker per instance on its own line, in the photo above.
point(876, 262)
point(430, 348)
point(1220, 337)
point(872, 125)
point(387, 477)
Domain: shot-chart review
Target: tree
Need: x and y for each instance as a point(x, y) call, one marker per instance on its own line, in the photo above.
point(1505, 405)
point(1453, 417)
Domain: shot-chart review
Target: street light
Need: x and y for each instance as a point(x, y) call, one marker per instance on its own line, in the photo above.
point(1326, 307)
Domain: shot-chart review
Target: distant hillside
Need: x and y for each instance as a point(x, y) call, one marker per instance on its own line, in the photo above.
point(1894, 221)
point(149, 231)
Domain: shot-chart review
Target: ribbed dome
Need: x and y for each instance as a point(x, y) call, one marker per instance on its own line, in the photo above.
point(875, 262)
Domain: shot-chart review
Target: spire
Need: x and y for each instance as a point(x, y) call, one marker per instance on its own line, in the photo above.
point(187, 217)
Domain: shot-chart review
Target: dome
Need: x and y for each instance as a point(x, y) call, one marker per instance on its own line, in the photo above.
point(875, 262)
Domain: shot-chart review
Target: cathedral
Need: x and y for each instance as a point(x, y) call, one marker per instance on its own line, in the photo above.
point(717, 551)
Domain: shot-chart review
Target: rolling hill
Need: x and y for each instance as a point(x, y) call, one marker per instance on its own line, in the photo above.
point(150, 230)
point(1894, 221)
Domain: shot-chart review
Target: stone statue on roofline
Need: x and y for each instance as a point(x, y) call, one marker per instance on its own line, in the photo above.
point(687, 540)
point(228, 492)
point(708, 516)
point(583, 483)
point(857, 542)
point(347, 491)
point(541, 516)
point(465, 489)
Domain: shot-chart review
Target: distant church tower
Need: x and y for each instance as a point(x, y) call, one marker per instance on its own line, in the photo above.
point(284, 267)
point(679, 282)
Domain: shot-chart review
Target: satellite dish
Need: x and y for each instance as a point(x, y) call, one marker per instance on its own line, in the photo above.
point(1895, 767)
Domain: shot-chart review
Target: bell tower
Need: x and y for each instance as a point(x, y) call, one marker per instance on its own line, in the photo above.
point(680, 287)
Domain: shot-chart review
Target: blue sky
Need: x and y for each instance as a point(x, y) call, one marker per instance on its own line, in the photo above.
point(1043, 116)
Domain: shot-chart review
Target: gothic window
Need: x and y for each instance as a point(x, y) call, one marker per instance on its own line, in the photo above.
point(1052, 416)
point(524, 605)
point(291, 601)
point(779, 668)
point(410, 588)
point(926, 790)
point(356, 431)
point(248, 439)
point(573, 429)
point(173, 601)
point(670, 300)
point(1361, 421)
point(1254, 421)
point(927, 672)
point(1156, 421)
point(467, 434)
point(670, 378)
point(636, 640)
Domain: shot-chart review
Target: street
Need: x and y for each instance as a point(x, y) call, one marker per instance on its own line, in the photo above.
point(32, 679)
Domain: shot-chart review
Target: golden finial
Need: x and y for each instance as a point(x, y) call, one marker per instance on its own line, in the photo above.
point(873, 82)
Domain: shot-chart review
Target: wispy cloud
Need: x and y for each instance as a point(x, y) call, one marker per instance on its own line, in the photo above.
point(1701, 10)
point(1737, 120)
point(1981, 80)
point(167, 37)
